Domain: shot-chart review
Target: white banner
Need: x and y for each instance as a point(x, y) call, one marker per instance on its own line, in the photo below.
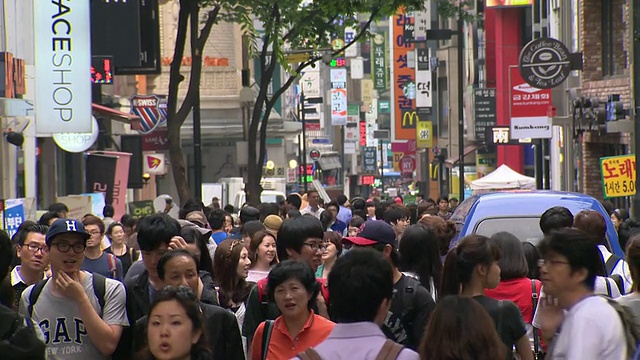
point(424, 89)
point(422, 21)
point(310, 83)
point(62, 36)
point(538, 127)
point(338, 107)
point(357, 69)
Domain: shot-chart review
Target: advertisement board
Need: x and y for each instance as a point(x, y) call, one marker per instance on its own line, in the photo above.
point(618, 175)
point(530, 109)
point(402, 75)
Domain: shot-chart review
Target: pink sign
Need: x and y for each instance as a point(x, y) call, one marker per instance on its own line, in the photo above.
point(527, 101)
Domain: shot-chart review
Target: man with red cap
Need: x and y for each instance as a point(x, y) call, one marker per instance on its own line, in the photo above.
point(412, 305)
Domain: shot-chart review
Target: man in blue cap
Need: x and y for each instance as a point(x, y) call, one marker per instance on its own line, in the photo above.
point(80, 314)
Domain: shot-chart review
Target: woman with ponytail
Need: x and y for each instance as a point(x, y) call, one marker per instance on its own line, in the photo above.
point(469, 269)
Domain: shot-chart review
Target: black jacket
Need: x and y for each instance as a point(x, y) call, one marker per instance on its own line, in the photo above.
point(221, 329)
point(18, 338)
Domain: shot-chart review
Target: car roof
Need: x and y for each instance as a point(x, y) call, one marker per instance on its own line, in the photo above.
point(531, 202)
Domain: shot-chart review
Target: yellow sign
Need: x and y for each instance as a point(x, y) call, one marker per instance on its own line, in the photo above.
point(296, 58)
point(397, 156)
point(424, 134)
point(618, 175)
point(409, 119)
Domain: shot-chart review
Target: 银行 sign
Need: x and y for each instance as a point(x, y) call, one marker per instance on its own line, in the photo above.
point(618, 175)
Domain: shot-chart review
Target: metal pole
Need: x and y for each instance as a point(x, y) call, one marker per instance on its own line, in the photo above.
point(304, 143)
point(197, 147)
point(635, 100)
point(382, 154)
point(460, 105)
point(342, 160)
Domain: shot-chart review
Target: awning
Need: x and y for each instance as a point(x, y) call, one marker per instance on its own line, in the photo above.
point(330, 162)
point(452, 160)
point(117, 115)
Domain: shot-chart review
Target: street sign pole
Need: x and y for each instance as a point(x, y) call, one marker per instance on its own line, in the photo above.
point(382, 153)
point(635, 87)
point(304, 144)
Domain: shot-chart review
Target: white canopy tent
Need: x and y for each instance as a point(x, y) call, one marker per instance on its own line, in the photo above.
point(503, 178)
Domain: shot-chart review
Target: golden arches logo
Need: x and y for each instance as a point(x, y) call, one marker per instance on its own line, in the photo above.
point(409, 119)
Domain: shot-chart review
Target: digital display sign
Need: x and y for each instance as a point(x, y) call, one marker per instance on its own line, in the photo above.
point(367, 179)
point(338, 62)
point(102, 69)
point(508, 3)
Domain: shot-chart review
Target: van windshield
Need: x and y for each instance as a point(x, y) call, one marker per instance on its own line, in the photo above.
point(524, 228)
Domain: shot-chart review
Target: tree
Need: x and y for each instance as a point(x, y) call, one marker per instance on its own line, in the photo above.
point(198, 31)
point(308, 25)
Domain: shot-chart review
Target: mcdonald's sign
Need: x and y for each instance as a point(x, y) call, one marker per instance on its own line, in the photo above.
point(410, 119)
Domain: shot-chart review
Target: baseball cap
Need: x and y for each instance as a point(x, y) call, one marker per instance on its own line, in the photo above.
point(373, 232)
point(199, 218)
point(61, 226)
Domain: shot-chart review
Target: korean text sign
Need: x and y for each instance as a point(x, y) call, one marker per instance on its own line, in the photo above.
point(618, 175)
point(404, 130)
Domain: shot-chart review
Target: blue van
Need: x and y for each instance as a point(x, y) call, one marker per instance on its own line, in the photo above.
point(518, 212)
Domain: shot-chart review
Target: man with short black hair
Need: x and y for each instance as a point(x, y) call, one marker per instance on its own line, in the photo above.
point(397, 216)
point(344, 213)
point(30, 249)
point(589, 327)
point(362, 286)
point(107, 215)
point(443, 208)
point(95, 259)
point(412, 304)
point(60, 209)
point(313, 197)
point(216, 221)
point(298, 239)
point(18, 335)
point(77, 321)
point(555, 218)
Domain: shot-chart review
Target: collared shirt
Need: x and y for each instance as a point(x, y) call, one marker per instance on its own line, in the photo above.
point(344, 215)
point(309, 210)
point(18, 285)
point(283, 346)
point(361, 340)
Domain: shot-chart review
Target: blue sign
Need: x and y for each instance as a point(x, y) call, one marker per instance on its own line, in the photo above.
point(13, 215)
point(320, 141)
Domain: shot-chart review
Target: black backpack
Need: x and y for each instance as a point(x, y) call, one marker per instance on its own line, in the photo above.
point(611, 264)
point(408, 304)
point(99, 289)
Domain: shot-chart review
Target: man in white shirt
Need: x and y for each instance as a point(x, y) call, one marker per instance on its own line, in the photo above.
point(592, 222)
point(313, 198)
point(576, 323)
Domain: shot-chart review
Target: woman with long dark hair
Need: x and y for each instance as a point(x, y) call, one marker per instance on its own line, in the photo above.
point(420, 256)
point(175, 329)
point(444, 230)
point(262, 253)
point(231, 268)
point(469, 269)
point(460, 329)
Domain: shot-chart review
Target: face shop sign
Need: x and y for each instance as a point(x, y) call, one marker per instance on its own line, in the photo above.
point(63, 63)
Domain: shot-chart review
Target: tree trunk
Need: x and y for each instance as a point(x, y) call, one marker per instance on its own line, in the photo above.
point(178, 166)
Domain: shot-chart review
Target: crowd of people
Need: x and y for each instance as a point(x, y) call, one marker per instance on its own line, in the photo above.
point(305, 279)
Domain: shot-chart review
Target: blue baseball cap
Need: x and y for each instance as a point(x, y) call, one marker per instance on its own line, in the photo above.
point(373, 232)
point(61, 226)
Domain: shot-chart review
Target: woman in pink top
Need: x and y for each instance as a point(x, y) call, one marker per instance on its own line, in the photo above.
point(514, 283)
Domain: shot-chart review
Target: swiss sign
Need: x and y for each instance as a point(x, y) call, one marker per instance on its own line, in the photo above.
point(147, 107)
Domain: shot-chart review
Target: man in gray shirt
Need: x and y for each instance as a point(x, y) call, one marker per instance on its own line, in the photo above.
point(76, 324)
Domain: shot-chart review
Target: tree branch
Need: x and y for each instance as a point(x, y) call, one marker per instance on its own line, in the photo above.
point(175, 78)
point(206, 29)
point(304, 20)
point(364, 30)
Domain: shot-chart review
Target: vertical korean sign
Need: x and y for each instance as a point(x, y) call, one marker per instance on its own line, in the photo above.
point(379, 61)
point(63, 67)
point(369, 160)
point(13, 215)
point(338, 97)
point(530, 108)
point(485, 111)
point(424, 94)
point(618, 175)
point(402, 75)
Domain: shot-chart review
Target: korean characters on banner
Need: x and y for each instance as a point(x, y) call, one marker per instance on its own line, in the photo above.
point(424, 94)
point(403, 80)
point(338, 97)
point(618, 175)
point(379, 50)
point(349, 35)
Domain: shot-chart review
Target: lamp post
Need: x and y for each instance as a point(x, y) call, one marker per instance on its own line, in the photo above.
point(460, 104)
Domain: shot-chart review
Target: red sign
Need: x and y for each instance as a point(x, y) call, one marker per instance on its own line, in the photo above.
point(367, 179)
point(312, 125)
point(404, 126)
point(527, 101)
point(156, 141)
point(363, 133)
point(408, 148)
point(407, 165)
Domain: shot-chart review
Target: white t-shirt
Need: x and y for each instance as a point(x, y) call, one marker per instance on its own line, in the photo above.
point(309, 210)
point(61, 323)
point(591, 329)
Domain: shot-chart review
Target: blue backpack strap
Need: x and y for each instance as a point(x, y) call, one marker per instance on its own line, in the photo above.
point(34, 294)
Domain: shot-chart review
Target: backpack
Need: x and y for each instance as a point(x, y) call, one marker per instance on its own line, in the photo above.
point(537, 350)
point(389, 351)
point(113, 265)
point(408, 308)
point(631, 333)
point(99, 289)
point(264, 301)
point(266, 337)
point(611, 264)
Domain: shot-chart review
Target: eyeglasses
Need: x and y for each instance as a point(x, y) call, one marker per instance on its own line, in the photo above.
point(34, 248)
point(95, 233)
point(317, 246)
point(64, 247)
point(542, 262)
